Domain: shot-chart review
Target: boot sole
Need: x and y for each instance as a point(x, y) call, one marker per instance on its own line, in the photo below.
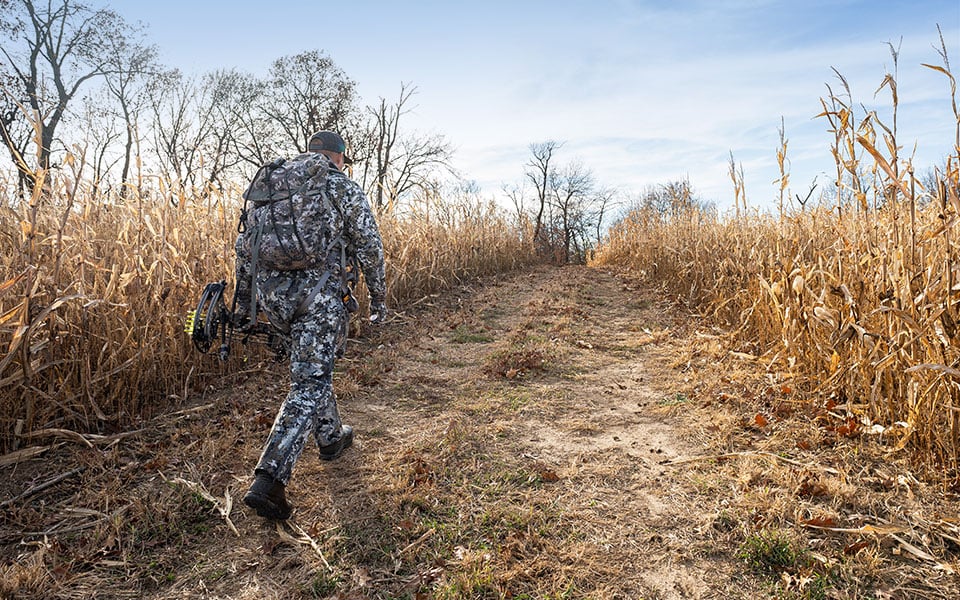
point(265, 508)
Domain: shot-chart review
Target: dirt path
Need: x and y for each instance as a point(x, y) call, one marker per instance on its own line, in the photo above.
point(529, 437)
point(560, 371)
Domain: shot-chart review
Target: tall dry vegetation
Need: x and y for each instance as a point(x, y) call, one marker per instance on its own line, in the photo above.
point(93, 293)
point(854, 301)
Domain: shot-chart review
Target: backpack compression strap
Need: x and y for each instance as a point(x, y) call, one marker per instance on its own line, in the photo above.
point(250, 196)
point(302, 309)
point(254, 265)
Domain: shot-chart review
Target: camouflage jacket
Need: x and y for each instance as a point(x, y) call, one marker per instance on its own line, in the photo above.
point(356, 224)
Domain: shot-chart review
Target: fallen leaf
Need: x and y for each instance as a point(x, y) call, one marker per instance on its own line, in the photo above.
point(850, 428)
point(406, 525)
point(810, 488)
point(362, 577)
point(548, 476)
point(856, 547)
point(821, 522)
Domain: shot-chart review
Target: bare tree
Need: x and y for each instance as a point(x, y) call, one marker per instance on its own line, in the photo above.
point(538, 171)
point(100, 135)
point(180, 123)
point(672, 200)
point(16, 132)
point(227, 97)
point(397, 162)
point(415, 168)
point(383, 136)
point(128, 63)
point(514, 193)
point(55, 48)
point(307, 93)
point(205, 129)
point(568, 207)
point(571, 189)
point(255, 138)
point(604, 199)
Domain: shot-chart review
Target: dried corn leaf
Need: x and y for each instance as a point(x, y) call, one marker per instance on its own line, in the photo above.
point(10, 314)
point(6, 285)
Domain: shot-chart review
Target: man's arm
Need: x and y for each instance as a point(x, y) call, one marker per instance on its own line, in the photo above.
point(363, 234)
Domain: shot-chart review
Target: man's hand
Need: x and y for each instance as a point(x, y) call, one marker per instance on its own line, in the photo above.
point(240, 320)
point(378, 311)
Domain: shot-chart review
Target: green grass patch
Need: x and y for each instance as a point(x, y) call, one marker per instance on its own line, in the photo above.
point(323, 585)
point(674, 400)
point(464, 335)
point(769, 552)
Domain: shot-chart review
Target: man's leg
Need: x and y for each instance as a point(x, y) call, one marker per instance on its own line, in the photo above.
point(310, 405)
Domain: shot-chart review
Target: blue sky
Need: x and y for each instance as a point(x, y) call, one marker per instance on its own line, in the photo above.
point(642, 92)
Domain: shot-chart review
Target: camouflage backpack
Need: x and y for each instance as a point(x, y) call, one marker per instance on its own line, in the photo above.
point(289, 221)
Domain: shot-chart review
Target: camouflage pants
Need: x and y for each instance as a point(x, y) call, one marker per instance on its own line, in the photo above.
point(310, 407)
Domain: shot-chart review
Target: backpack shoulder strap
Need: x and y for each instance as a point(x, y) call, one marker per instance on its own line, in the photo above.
point(259, 188)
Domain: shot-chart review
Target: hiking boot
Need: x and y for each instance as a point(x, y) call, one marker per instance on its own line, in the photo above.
point(334, 450)
point(267, 498)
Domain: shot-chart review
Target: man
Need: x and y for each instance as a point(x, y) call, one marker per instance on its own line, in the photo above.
point(308, 306)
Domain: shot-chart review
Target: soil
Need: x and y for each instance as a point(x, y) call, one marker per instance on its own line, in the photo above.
point(554, 433)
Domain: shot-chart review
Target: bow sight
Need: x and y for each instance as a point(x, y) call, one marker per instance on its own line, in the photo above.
point(212, 320)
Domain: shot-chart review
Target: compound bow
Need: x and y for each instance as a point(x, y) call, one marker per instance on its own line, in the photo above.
point(212, 320)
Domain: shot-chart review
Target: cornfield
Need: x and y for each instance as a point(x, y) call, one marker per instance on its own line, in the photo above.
point(854, 301)
point(94, 291)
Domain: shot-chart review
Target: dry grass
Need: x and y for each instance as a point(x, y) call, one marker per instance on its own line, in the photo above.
point(95, 290)
point(853, 302)
point(818, 508)
point(573, 482)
